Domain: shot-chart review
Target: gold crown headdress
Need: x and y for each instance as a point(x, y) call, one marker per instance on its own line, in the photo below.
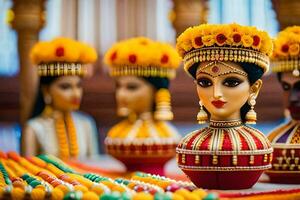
point(142, 57)
point(232, 42)
point(62, 56)
point(286, 55)
point(146, 58)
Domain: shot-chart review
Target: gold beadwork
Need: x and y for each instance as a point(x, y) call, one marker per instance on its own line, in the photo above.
point(254, 57)
point(251, 162)
point(266, 158)
point(234, 160)
point(183, 158)
point(215, 160)
point(197, 159)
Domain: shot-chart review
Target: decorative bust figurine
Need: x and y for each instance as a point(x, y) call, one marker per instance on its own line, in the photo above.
point(226, 62)
point(55, 128)
point(286, 138)
point(142, 68)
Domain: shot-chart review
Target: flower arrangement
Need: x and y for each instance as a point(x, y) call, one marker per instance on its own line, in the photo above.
point(286, 53)
point(231, 35)
point(142, 53)
point(63, 50)
point(286, 45)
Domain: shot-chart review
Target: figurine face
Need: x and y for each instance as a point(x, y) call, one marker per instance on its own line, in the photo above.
point(223, 88)
point(133, 95)
point(291, 87)
point(65, 92)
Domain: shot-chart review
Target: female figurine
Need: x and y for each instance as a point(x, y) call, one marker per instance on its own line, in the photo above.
point(226, 62)
point(142, 68)
point(55, 128)
point(286, 138)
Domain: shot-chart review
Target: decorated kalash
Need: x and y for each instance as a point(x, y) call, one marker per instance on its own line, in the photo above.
point(47, 177)
point(286, 138)
point(55, 128)
point(226, 63)
point(142, 69)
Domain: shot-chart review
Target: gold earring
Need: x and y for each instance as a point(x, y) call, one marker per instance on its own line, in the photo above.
point(48, 109)
point(202, 116)
point(251, 114)
point(163, 105)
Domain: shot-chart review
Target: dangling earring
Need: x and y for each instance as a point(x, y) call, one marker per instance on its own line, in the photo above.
point(251, 114)
point(202, 116)
point(48, 109)
point(163, 105)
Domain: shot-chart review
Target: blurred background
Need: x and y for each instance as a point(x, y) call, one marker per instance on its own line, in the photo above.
point(103, 22)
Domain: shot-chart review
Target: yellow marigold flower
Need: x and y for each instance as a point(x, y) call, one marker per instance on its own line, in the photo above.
point(247, 40)
point(294, 49)
point(208, 40)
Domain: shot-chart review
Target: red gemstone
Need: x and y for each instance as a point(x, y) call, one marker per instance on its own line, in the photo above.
point(237, 38)
point(221, 38)
point(132, 58)
point(113, 56)
point(215, 69)
point(60, 51)
point(198, 41)
point(164, 59)
point(256, 40)
point(285, 48)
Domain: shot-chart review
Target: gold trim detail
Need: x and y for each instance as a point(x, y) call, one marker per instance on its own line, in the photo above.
point(149, 71)
point(242, 152)
point(61, 69)
point(233, 54)
point(236, 168)
point(224, 124)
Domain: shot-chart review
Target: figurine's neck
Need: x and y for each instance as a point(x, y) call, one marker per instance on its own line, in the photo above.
point(232, 117)
point(143, 116)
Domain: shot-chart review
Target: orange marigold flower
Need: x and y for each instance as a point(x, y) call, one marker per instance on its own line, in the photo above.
point(285, 48)
point(198, 41)
point(237, 38)
point(132, 58)
point(221, 39)
point(256, 40)
point(113, 56)
point(164, 59)
point(60, 51)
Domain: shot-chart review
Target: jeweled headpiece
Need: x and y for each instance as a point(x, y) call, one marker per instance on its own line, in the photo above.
point(142, 57)
point(62, 56)
point(228, 42)
point(286, 55)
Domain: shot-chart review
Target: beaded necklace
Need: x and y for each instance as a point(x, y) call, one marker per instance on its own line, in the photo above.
point(66, 134)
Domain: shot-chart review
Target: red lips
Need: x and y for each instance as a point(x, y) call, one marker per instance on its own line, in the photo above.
point(218, 103)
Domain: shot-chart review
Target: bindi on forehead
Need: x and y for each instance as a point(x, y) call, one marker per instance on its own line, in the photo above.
point(218, 68)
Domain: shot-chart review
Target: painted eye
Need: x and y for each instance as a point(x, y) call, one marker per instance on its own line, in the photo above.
point(286, 86)
point(204, 82)
point(132, 86)
point(232, 82)
point(65, 86)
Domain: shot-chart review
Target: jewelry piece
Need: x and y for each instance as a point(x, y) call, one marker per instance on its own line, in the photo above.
point(163, 105)
point(202, 116)
point(212, 69)
point(251, 114)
